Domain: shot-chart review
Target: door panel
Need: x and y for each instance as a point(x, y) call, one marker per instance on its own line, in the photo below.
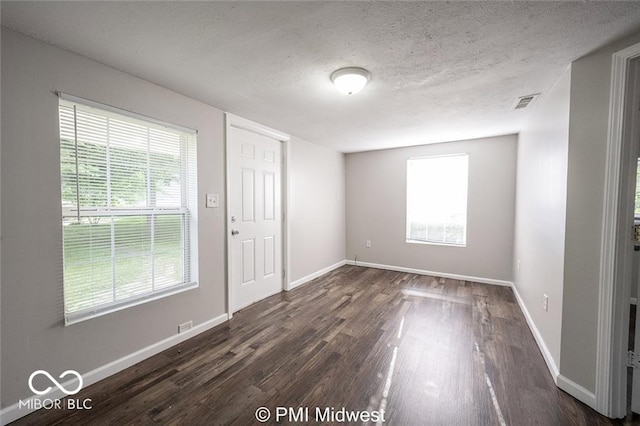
point(269, 196)
point(255, 222)
point(248, 195)
point(248, 261)
point(269, 255)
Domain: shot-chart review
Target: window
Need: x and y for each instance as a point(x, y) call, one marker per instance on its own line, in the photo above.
point(128, 187)
point(437, 199)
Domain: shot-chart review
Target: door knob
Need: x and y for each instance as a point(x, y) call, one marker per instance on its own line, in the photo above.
point(234, 232)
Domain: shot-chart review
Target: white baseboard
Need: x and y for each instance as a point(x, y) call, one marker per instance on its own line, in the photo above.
point(14, 412)
point(577, 391)
point(435, 274)
point(315, 275)
point(548, 359)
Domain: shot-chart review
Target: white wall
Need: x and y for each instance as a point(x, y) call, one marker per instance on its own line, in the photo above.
point(541, 213)
point(376, 210)
point(317, 208)
point(33, 334)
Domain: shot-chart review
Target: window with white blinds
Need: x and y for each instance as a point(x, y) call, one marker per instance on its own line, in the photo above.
point(437, 199)
point(129, 208)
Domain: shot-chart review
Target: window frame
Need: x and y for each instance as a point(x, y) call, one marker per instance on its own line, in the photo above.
point(187, 211)
point(408, 238)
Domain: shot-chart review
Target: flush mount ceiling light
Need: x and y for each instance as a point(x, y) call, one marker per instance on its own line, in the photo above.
point(350, 80)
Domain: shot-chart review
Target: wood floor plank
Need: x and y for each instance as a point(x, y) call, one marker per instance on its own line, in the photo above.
point(426, 350)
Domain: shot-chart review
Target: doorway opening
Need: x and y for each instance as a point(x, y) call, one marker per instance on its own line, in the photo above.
point(618, 240)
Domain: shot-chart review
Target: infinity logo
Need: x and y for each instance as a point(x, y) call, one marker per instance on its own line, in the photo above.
point(55, 382)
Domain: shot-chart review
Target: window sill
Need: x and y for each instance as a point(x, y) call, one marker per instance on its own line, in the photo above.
point(118, 306)
point(430, 243)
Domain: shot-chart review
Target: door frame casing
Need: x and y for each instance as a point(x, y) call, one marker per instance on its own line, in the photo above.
point(614, 290)
point(232, 120)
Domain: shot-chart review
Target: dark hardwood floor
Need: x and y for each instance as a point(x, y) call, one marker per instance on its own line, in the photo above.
point(427, 351)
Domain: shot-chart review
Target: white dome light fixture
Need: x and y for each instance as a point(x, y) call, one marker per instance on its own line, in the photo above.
point(350, 80)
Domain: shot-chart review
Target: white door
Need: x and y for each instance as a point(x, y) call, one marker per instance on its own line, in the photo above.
point(255, 217)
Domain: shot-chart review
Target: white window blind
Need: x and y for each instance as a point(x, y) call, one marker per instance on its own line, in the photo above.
point(128, 208)
point(437, 199)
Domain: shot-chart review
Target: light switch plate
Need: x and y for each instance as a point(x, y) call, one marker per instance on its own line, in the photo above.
point(213, 201)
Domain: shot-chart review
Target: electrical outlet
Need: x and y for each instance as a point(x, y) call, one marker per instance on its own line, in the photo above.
point(518, 265)
point(368, 244)
point(545, 303)
point(184, 327)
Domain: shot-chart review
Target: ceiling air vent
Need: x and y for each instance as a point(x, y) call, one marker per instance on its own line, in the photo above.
point(524, 101)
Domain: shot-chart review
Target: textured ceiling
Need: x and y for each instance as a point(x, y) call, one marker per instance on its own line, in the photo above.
point(440, 71)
